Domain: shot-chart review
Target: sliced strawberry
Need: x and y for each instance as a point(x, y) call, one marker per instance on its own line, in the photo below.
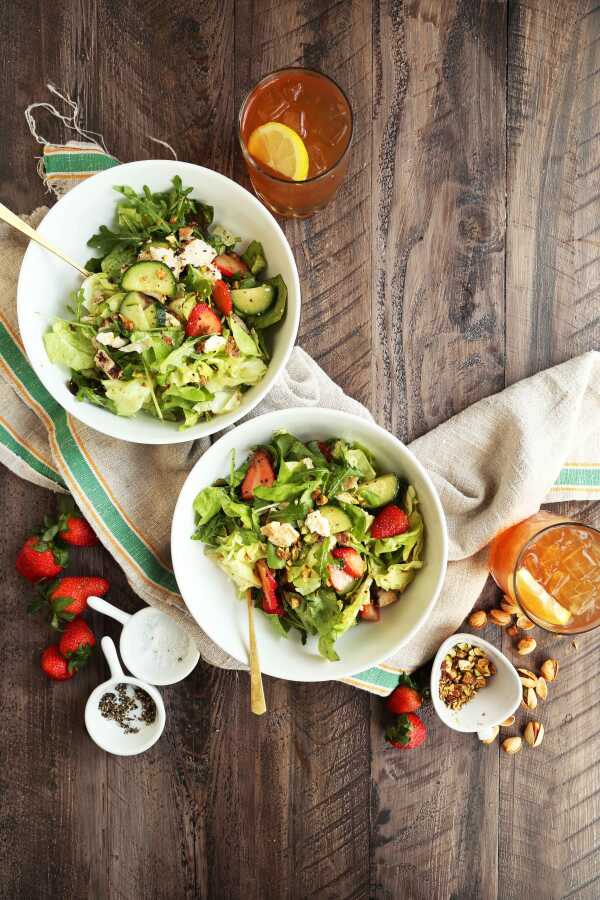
point(339, 579)
point(221, 294)
point(353, 562)
point(370, 613)
point(389, 522)
point(260, 471)
point(203, 320)
point(230, 264)
point(271, 603)
point(325, 450)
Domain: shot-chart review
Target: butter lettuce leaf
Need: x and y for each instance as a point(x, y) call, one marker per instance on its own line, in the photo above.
point(71, 346)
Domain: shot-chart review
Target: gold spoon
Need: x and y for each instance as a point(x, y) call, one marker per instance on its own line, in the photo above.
point(11, 219)
point(257, 696)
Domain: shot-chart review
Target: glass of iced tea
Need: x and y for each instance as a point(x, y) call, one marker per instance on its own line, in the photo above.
point(551, 567)
point(295, 129)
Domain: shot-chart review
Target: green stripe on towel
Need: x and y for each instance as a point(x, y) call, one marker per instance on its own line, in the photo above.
point(79, 161)
point(24, 454)
point(580, 476)
point(80, 469)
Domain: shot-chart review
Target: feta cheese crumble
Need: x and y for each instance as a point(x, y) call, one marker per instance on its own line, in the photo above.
point(308, 463)
point(280, 534)
point(214, 343)
point(197, 253)
point(110, 339)
point(318, 524)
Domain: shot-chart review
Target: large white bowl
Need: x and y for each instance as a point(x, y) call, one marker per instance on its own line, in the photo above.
point(213, 600)
point(45, 283)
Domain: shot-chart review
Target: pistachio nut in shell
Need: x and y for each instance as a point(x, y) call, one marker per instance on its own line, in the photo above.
point(509, 606)
point(529, 698)
point(499, 617)
point(508, 722)
point(524, 623)
point(478, 619)
point(492, 738)
point(534, 733)
point(512, 744)
point(526, 645)
point(549, 669)
point(541, 688)
point(527, 677)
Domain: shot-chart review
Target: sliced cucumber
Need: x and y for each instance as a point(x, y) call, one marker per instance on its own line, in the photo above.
point(142, 312)
point(277, 309)
point(337, 518)
point(150, 277)
point(378, 492)
point(252, 301)
point(182, 306)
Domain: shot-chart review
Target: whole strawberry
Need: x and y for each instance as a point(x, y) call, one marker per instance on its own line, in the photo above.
point(407, 732)
point(54, 664)
point(70, 527)
point(68, 597)
point(405, 699)
point(77, 532)
point(38, 559)
point(76, 644)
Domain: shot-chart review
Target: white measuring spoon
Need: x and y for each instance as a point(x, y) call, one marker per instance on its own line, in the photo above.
point(153, 645)
point(107, 733)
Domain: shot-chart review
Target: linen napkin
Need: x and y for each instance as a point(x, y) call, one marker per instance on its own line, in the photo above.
point(493, 465)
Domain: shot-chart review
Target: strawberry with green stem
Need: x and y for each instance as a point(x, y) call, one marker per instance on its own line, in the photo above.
point(67, 597)
point(70, 527)
point(407, 732)
point(76, 644)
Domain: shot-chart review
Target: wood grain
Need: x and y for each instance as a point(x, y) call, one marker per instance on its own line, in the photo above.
point(553, 313)
point(438, 274)
point(553, 185)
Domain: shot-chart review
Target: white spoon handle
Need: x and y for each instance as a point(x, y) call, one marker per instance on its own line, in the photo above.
point(102, 606)
point(11, 219)
point(110, 652)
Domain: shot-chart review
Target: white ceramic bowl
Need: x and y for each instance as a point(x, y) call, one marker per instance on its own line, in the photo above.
point(488, 707)
point(212, 598)
point(45, 283)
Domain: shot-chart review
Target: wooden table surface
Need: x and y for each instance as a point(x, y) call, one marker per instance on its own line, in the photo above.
point(462, 254)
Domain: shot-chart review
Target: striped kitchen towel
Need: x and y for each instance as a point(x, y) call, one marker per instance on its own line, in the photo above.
point(493, 464)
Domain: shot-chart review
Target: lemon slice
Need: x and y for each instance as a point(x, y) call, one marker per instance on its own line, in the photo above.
point(539, 601)
point(281, 148)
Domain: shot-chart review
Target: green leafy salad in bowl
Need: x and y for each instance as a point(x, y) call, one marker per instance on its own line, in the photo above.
point(321, 538)
point(172, 320)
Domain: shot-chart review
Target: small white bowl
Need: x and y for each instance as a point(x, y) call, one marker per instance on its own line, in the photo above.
point(45, 283)
point(108, 734)
point(139, 632)
point(488, 707)
point(212, 597)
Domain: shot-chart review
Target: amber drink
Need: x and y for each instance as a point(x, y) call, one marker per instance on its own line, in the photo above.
point(318, 111)
point(551, 567)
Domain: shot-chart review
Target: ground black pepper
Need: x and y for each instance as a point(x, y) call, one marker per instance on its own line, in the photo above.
point(124, 709)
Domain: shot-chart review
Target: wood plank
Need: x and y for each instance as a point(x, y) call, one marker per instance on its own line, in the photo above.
point(332, 248)
point(438, 227)
point(553, 312)
point(313, 782)
point(553, 185)
point(438, 239)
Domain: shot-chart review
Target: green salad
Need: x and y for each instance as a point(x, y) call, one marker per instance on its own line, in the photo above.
point(171, 322)
point(321, 538)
